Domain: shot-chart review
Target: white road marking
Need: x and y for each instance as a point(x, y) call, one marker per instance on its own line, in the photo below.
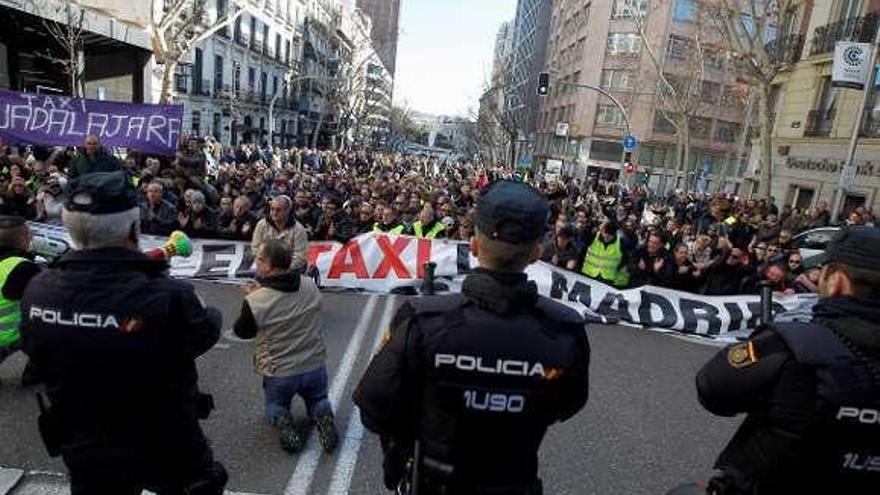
point(354, 432)
point(307, 463)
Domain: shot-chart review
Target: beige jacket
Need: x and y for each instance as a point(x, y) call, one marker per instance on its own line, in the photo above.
point(287, 313)
point(294, 234)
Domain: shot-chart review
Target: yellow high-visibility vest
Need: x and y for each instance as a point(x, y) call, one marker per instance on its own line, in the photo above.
point(604, 262)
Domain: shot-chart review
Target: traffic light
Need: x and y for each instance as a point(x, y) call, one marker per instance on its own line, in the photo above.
point(543, 84)
point(628, 165)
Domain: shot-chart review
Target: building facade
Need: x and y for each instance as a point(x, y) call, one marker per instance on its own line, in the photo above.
point(228, 83)
point(599, 44)
point(531, 27)
point(385, 15)
point(815, 121)
point(115, 62)
point(493, 118)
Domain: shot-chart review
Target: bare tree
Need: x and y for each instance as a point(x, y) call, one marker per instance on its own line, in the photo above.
point(176, 27)
point(760, 32)
point(746, 98)
point(68, 33)
point(680, 73)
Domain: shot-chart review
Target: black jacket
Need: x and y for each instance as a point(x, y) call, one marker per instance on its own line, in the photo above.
point(480, 375)
point(795, 381)
point(83, 164)
point(20, 276)
point(116, 341)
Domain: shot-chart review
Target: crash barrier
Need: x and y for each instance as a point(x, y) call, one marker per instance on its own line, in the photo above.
point(381, 263)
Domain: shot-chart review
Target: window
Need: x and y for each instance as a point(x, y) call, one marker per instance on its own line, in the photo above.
point(623, 43)
point(236, 78)
point(287, 51)
point(610, 151)
point(700, 128)
point(729, 97)
point(677, 47)
point(616, 79)
point(197, 71)
point(196, 123)
point(218, 73)
point(215, 127)
point(252, 80)
point(684, 11)
point(709, 92)
point(662, 125)
point(274, 85)
point(714, 59)
point(609, 115)
point(726, 132)
point(264, 85)
point(624, 8)
point(278, 46)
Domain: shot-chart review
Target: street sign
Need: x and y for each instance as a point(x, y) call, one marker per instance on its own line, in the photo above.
point(630, 142)
point(630, 169)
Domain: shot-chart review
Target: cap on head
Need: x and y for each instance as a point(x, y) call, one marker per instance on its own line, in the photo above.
point(101, 193)
point(512, 212)
point(855, 247)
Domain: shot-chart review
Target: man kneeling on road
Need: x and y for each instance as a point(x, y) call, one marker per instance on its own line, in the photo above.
point(283, 312)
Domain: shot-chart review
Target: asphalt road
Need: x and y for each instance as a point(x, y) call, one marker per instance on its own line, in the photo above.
point(642, 432)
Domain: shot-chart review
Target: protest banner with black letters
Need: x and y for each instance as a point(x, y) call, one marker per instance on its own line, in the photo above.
point(382, 263)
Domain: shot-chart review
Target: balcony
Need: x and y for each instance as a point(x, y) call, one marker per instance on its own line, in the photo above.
point(819, 123)
point(242, 39)
point(870, 129)
point(204, 89)
point(786, 50)
point(218, 85)
point(861, 29)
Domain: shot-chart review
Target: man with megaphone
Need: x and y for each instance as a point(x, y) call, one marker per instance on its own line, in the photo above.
point(116, 340)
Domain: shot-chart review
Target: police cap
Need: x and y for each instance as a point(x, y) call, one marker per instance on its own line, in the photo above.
point(101, 193)
point(855, 247)
point(512, 212)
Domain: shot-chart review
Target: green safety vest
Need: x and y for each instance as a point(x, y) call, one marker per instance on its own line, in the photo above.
point(434, 232)
point(604, 262)
point(10, 313)
point(395, 231)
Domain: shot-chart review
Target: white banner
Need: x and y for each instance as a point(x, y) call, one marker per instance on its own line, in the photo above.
point(852, 64)
point(383, 263)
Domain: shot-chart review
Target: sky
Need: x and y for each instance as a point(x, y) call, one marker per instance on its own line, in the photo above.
point(444, 52)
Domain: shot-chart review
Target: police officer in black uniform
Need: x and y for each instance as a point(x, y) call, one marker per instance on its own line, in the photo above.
point(466, 385)
point(811, 390)
point(116, 341)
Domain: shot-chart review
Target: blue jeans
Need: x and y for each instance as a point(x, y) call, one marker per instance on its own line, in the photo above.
point(311, 386)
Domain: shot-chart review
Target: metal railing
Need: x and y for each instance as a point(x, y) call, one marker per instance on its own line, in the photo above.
point(819, 123)
point(861, 29)
point(181, 83)
point(786, 50)
point(205, 88)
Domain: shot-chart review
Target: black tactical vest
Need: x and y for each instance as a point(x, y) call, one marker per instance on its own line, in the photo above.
point(844, 455)
point(490, 385)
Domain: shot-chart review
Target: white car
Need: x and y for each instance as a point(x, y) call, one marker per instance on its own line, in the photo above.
point(813, 242)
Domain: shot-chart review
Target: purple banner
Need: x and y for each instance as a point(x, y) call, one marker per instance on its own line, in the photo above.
point(51, 120)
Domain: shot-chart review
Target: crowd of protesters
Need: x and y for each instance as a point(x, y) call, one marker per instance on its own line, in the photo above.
point(709, 244)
